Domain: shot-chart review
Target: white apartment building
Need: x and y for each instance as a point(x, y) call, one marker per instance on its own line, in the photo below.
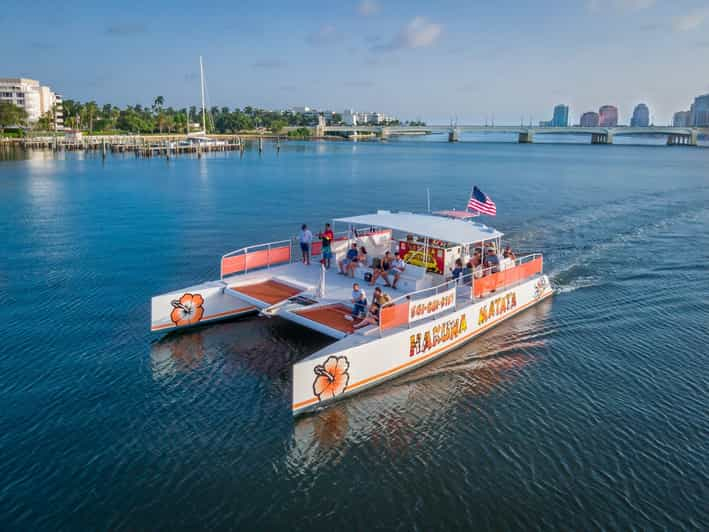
point(35, 99)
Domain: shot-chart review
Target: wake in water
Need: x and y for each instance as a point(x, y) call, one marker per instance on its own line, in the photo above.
point(583, 249)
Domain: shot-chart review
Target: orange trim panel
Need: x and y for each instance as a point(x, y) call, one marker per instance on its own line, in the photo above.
point(507, 277)
point(255, 259)
point(394, 315)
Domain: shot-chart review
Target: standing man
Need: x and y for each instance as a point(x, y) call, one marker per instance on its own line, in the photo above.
point(327, 236)
point(306, 238)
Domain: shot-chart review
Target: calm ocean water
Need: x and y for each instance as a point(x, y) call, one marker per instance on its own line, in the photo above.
point(589, 411)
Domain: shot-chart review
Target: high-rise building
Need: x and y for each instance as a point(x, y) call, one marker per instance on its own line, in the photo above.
point(699, 111)
point(641, 116)
point(37, 100)
point(589, 119)
point(681, 119)
point(560, 118)
point(608, 116)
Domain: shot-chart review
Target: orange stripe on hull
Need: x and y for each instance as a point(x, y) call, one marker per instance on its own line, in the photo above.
point(426, 357)
point(206, 318)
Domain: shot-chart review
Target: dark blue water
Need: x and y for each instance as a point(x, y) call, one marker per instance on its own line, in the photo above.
point(588, 411)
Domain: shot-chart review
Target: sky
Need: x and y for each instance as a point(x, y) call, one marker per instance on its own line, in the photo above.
point(472, 61)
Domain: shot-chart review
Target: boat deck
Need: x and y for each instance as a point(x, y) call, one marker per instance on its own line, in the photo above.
point(270, 291)
point(296, 278)
point(332, 316)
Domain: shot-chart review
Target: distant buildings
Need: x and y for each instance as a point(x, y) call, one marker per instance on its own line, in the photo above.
point(608, 116)
point(698, 114)
point(641, 116)
point(37, 100)
point(560, 118)
point(589, 119)
point(681, 119)
point(352, 118)
point(699, 111)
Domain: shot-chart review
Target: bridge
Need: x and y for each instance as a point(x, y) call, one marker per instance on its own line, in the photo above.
point(599, 135)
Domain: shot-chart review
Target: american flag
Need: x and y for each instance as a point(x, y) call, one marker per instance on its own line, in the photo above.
point(481, 202)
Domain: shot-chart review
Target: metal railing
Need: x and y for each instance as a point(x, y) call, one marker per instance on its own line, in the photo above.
point(264, 255)
point(466, 282)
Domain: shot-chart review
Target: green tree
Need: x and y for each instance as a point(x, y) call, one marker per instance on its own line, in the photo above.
point(158, 103)
point(91, 110)
point(11, 115)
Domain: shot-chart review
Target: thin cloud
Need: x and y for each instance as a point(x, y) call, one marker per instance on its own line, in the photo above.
point(124, 30)
point(359, 84)
point(418, 33)
point(40, 45)
point(326, 34)
point(269, 64)
point(469, 87)
point(692, 20)
point(367, 8)
point(595, 6)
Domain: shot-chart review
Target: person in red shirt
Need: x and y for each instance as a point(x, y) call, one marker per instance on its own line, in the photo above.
point(327, 236)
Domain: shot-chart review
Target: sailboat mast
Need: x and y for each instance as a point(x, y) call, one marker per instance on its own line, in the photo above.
point(204, 111)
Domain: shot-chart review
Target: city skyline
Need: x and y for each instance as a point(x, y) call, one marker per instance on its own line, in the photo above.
point(469, 62)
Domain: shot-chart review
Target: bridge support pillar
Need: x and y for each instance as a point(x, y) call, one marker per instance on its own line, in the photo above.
point(526, 137)
point(386, 133)
point(320, 128)
point(682, 140)
point(602, 138)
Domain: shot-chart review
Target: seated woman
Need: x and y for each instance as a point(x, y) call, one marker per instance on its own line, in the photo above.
point(363, 257)
point(477, 266)
point(372, 317)
point(509, 254)
point(383, 270)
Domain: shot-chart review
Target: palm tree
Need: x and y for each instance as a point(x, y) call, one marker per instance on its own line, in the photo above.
point(158, 103)
point(91, 112)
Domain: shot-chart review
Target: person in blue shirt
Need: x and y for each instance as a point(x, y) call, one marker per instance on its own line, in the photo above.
point(349, 263)
point(458, 270)
point(492, 261)
point(359, 303)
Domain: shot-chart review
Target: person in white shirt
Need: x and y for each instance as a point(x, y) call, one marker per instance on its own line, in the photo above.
point(306, 238)
point(397, 268)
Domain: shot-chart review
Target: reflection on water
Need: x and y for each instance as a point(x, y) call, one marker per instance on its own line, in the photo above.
point(486, 365)
point(552, 417)
point(176, 353)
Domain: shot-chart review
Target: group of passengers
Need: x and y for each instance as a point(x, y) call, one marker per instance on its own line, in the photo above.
point(306, 240)
point(362, 311)
point(356, 257)
point(480, 265)
point(383, 267)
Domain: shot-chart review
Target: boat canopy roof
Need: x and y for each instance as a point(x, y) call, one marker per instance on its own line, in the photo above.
point(436, 227)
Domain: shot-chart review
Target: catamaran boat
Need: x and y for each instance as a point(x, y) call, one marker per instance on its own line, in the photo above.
point(428, 315)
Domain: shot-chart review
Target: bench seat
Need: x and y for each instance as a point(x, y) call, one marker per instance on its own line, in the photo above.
point(412, 278)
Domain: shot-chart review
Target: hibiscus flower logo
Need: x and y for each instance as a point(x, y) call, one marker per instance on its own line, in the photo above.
point(187, 310)
point(540, 287)
point(331, 377)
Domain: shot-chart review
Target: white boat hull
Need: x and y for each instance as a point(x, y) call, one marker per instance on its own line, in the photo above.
point(333, 374)
point(195, 305)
